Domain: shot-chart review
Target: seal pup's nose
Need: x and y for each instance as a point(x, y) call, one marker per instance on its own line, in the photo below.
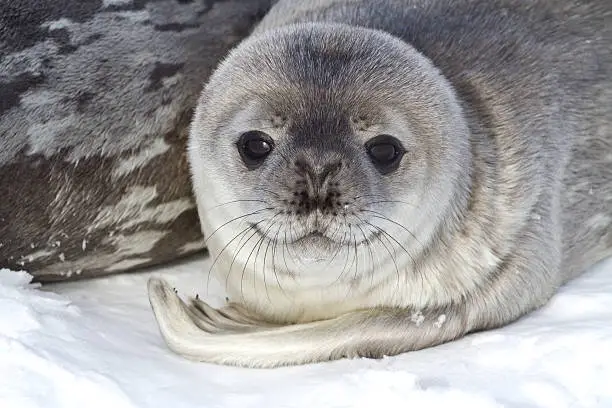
point(317, 175)
point(319, 190)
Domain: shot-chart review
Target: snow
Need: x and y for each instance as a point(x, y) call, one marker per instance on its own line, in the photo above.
point(96, 344)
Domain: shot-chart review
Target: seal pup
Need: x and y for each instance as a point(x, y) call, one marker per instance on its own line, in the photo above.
point(380, 177)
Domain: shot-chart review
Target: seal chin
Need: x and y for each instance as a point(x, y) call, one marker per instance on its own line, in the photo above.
point(314, 248)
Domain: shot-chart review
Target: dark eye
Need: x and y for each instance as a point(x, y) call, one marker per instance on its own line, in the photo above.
point(386, 152)
point(254, 146)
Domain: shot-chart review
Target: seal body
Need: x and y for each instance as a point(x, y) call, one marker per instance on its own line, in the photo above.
point(96, 99)
point(379, 177)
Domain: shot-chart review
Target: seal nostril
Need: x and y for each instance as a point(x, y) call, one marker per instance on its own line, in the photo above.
point(330, 170)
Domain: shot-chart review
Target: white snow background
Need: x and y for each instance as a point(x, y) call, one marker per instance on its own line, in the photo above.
point(96, 344)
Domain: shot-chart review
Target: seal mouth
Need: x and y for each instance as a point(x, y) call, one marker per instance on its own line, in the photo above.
point(315, 238)
point(312, 237)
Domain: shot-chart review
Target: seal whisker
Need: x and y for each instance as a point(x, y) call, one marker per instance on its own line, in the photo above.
point(284, 247)
point(235, 219)
point(293, 235)
point(263, 270)
point(274, 248)
point(356, 258)
point(253, 228)
point(384, 217)
point(258, 246)
point(367, 242)
point(240, 234)
point(339, 246)
point(392, 255)
point(266, 190)
point(378, 236)
point(255, 232)
point(346, 261)
point(372, 270)
point(393, 238)
point(368, 203)
point(235, 202)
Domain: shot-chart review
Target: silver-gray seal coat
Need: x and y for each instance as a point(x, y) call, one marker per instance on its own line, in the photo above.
point(381, 176)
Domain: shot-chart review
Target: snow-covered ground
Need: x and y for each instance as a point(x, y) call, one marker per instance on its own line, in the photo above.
point(96, 344)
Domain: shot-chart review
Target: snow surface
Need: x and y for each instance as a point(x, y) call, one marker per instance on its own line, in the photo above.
point(96, 344)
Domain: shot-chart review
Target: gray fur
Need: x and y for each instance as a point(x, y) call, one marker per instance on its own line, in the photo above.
point(95, 101)
point(505, 194)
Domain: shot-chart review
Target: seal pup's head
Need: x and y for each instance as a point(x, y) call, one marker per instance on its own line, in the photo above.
point(322, 156)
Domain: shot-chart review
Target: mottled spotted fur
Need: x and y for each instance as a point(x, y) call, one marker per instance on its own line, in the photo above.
point(95, 102)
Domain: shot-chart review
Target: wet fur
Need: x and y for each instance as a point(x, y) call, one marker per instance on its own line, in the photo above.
point(510, 108)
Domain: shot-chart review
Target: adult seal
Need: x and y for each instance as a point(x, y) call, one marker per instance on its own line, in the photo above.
point(96, 99)
point(375, 177)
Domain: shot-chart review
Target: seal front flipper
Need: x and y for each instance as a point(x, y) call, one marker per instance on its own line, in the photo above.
point(370, 333)
point(175, 316)
point(172, 315)
point(230, 318)
point(367, 333)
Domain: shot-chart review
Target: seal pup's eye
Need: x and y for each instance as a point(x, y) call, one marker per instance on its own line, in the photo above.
point(254, 146)
point(386, 152)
